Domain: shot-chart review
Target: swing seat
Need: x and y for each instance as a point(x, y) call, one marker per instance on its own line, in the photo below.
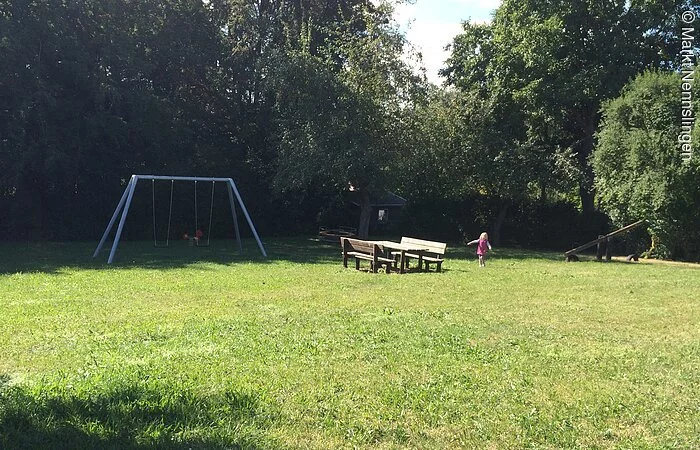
point(198, 242)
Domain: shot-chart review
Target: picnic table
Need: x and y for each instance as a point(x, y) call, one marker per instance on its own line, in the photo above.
point(380, 253)
point(402, 249)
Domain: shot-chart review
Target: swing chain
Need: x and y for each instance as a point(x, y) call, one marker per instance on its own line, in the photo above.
point(170, 213)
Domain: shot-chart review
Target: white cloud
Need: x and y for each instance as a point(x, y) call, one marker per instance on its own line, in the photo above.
point(430, 39)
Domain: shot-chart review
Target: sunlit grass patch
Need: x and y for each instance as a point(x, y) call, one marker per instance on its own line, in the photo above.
point(182, 348)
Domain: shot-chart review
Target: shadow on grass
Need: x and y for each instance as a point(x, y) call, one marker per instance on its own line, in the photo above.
point(50, 257)
point(129, 417)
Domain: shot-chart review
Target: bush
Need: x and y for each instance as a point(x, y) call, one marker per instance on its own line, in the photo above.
point(640, 172)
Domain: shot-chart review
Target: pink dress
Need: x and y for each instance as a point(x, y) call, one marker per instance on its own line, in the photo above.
point(482, 247)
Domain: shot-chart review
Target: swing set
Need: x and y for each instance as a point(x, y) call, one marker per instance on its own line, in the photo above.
point(125, 202)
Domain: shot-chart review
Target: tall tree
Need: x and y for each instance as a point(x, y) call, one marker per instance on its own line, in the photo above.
point(339, 106)
point(502, 157)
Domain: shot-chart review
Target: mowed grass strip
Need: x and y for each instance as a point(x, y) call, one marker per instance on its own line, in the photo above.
point(205, 348)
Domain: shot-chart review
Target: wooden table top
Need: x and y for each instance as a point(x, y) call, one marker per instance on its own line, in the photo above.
point(400, 246)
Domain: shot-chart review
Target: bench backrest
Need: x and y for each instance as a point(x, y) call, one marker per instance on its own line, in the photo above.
point(357, 245)
point(437, 248)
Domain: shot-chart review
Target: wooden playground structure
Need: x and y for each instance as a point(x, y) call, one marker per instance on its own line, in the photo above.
point(604, 244)
point(334, 235)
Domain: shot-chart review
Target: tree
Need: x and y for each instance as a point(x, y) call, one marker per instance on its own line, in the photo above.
point(503, 158)
point(555, 61)
point(339, 107)
point(95, 91)
point(639, 167)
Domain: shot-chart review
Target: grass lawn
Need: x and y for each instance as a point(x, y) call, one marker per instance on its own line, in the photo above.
point(294, 351)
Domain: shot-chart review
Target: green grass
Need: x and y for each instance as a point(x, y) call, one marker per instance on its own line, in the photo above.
point(199, 348)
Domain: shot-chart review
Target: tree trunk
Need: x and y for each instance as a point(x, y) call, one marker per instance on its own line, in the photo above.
point(500, 219)
point(543, 192)
point(587, 196)
point(584, 151)
point(365, 214)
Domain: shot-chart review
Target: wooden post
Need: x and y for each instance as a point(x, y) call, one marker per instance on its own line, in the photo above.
point(608, 250)
point(600, 249)
point(344, 245)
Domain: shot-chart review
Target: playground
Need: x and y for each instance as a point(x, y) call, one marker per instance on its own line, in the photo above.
point(211, 347)
point(291, 225)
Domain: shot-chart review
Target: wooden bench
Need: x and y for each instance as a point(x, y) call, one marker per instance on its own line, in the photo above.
point(369, 251)
point(432, 252)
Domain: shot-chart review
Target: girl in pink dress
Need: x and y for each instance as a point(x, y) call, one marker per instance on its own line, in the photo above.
point(482, 247)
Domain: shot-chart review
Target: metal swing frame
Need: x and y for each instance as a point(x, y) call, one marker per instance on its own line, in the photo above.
point(125, 203)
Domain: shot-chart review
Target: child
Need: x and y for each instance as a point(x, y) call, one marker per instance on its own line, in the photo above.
point(482, 247)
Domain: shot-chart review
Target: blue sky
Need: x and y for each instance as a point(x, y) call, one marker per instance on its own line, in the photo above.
point(432, 24)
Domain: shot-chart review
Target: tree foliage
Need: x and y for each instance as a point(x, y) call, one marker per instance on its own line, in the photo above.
point(339, 107)
point(93, 91)
point(300, 99)
point(640, 171)
point(551, 64)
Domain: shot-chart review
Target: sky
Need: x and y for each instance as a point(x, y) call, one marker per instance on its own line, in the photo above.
point(430, 25)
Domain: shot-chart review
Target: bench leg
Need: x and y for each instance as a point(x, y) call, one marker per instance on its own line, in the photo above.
point(357, 263)
point(427, 266)
point(388, 267)
point(439, 266)
point(345, 262)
